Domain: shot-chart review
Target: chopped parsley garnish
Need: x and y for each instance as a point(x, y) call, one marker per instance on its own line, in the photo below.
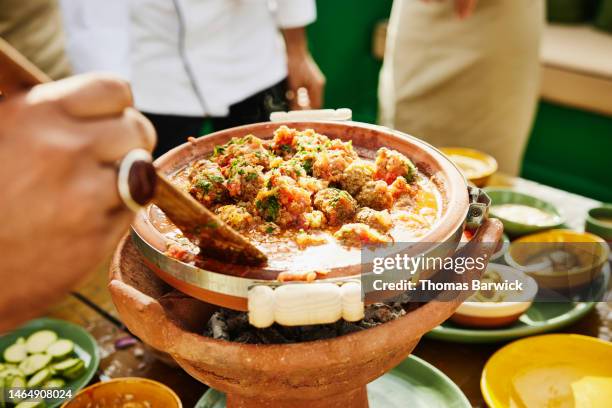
point(269, 207)
point(307, 165)
point(203, 184)
point(218, 150)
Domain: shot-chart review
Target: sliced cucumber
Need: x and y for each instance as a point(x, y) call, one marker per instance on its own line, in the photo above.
point(54, 382)
point(61, 348)
point(65, 365)
point(10, 372)
point(40, 340)
point(15, 353)
point(34, 363)
point(39, 378)
point(30, 404)
point(75, 371)
point(18, 382)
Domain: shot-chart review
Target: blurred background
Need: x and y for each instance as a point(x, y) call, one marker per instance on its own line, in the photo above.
point(571, 137)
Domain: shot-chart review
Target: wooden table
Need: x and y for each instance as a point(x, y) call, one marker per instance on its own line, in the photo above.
point(91, 307)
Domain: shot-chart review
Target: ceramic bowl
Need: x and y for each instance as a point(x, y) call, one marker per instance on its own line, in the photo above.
point(599, 222)
point(512, 228)
point(591, 253)
point(124, 391)
point(497, 314)
point(477, 166)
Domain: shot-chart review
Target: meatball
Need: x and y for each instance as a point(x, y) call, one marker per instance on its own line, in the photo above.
point(344, 147)
point(391, 164)
point(236, 217)
point(330, 165)
point(312, 184)
point(337, 205)
point(379, 220)
point(356, 175)
point(249, 149)
point(206, 183)
point(310, 141)
point(244, 180)
point(376, 195)
point(292, 168)
point(358, 234)
point(314, 220)
point(283, 142)
point(282, 201)
point(403, 193)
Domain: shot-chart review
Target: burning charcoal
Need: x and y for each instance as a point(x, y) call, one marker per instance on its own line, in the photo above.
point(271, 335)
point(237, 321)
point(246, 337)
point(218, 326)
point(349, 327)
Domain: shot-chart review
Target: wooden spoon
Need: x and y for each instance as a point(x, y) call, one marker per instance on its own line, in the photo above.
point(139, 183)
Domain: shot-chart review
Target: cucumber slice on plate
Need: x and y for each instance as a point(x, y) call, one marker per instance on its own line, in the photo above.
point(65, 365)
point(34, 363)
point(30, 404)
point(40, 340)
point(18, 382)
point(39, 378)
point(75, 371)
point(10, 372)
point(60, 349)
point(15, 353)
point(54, 382)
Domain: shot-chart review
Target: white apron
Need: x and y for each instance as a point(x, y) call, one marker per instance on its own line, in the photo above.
point(469, 83)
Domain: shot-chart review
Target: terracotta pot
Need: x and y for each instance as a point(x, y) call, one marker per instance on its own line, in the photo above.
point(317, 374)
point(231, 282)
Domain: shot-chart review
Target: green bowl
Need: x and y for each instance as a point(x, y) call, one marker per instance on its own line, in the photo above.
point(515, 229)
point(85, 347)
point(595, 225)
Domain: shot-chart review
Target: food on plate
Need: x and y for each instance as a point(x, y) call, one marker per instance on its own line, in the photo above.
point(302, 196)
point(42, 360)
point(502, 295)
point(524, 214)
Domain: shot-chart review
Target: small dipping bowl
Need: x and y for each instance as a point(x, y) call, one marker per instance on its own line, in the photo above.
point(488, 314)
point(599, 222)
point(120, 391)
point(476, 166)
point(513, 228)
point(589, 250)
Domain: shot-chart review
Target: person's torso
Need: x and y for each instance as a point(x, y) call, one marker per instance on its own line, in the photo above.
point(195, 57)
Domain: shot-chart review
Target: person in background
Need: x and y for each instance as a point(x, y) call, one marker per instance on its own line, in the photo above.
point(34, 28)
point(464, 73)
point(189, 60)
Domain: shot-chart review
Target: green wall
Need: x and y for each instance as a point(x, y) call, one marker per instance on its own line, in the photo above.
point(341, 43)
point(569, 149)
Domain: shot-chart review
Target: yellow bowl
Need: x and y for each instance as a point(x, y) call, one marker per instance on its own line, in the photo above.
point(475, 165)
point(554, 370)
point(590, 250)
point(113, 393)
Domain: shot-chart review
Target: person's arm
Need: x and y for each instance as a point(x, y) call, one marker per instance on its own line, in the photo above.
point(302, 71)
point(61, 212)
point(463, 8)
